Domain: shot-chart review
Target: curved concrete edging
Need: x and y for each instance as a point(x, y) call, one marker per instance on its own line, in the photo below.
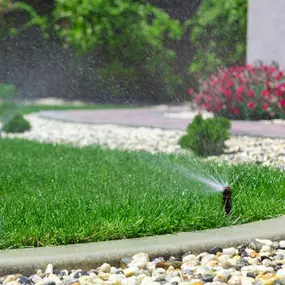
point(91, 255)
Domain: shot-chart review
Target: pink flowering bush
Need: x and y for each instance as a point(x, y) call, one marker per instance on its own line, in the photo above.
point(250, 92)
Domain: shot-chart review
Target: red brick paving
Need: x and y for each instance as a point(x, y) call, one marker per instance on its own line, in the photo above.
point(155, 118)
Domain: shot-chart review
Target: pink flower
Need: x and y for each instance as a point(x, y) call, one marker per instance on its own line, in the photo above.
point(239, 97)
point(207, 106)
point(279, 93)
point(239, 69)
point(228, 92)
point(248, 67)
point(265, 106)
point(272, 69)
point(190, 91)
point(279, 75)
point(270, 96)
point(238, 75)
point(282, 103)
point(235, 111)
point(264, 68)
point(251, 93)
point(264, 92)
point(218, 106)
point(199, 97)
point(214, 82)
point(230, 83)
point(240, 89)
point(250, 105)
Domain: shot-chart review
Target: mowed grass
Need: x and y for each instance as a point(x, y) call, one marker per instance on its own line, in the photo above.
point(27, 109)
point(62, 194)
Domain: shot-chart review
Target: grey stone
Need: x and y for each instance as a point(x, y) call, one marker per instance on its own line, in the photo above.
point(80, 273)
point(207, 278)
point(25, 281)
point(50, 283)
point(215, 250)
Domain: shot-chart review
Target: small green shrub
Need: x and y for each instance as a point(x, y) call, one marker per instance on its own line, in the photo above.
point(7, 91)
point(206, 137)
point(17, 124)
point(7, 104)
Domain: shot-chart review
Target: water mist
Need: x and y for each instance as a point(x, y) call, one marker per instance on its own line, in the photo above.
point(219, 186)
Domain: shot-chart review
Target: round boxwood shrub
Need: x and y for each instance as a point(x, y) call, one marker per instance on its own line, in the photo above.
point(17, 124)
point(206, 137)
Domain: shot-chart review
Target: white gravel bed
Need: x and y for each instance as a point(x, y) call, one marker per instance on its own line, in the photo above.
point(109, 136)
point(267, 151)
point(261, 262)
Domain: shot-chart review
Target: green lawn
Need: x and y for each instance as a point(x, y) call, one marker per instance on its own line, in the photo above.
point(62, 194)
point(27, 109)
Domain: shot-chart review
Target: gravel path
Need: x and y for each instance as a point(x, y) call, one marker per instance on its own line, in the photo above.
point(267, 151)
point(109, 136)
point(259, 263)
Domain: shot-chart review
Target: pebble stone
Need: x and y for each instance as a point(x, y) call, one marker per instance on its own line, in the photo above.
point(259, 150)
point(261, 262)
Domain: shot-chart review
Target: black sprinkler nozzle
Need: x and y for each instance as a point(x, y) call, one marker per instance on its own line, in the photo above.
point(227, 200)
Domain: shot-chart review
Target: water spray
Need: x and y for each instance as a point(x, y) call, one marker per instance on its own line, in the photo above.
point(214, 184)
point(227, 199)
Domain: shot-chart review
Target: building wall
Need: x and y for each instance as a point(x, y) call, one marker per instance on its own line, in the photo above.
point(266, 32)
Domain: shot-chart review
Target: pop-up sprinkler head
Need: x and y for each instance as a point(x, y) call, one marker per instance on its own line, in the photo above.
point(227, 199)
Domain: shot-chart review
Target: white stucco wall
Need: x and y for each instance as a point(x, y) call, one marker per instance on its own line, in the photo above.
point(266, 31)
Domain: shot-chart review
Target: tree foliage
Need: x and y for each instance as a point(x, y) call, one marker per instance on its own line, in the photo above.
point(6, 6)
point(219, 35)
point(128, 35)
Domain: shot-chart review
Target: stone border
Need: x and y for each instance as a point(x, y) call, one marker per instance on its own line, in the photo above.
point(91, 255)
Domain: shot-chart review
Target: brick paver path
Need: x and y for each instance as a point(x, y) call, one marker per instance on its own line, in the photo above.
point(155, 118)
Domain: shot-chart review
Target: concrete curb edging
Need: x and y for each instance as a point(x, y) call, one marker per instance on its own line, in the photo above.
point(91, 255)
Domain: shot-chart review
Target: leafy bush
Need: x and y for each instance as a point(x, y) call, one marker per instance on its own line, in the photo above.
point(244, 92)
point(6, 6)
point(128, 36)
point(206, 137)
point(219, 35)
point(12, 120)
point(17, 124)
